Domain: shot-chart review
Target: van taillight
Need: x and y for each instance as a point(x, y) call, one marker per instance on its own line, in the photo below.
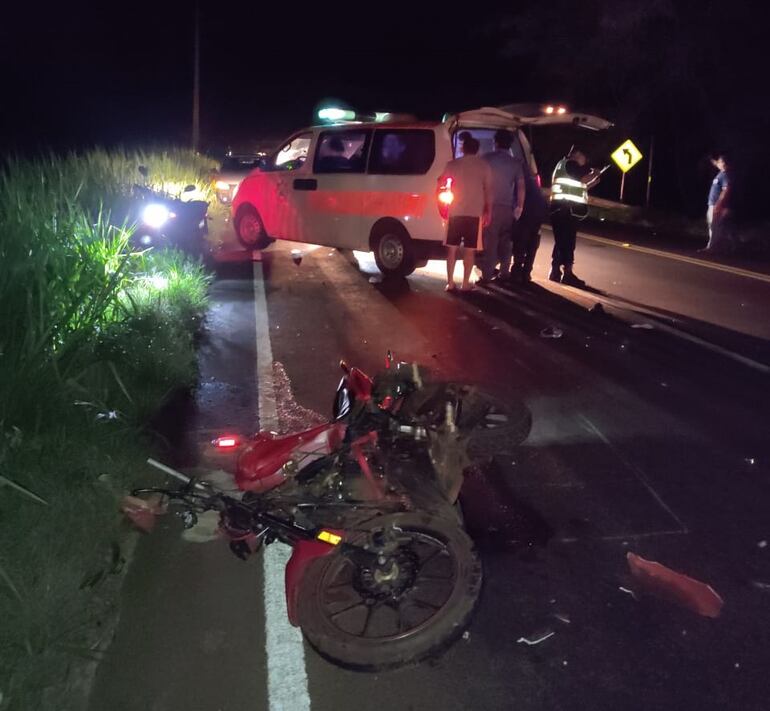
point(445, 197)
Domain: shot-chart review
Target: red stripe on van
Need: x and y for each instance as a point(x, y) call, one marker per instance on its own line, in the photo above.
point(368, 203)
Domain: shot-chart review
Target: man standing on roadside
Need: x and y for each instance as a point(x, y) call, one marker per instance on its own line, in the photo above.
point(716, 196)
point(508, 192)
point(470, 178)
point(569, 203)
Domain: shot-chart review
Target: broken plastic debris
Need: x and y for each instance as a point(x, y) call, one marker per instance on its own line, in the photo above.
point(759, 585)
point(762, 544)
point(537, 638)
point(142, 512)
point(551, 332)
point(645, 326)
point(296, 256)
point(562, 617)
point(678, 587)
point(466, 635)
point(628, 592)
point(750, 461)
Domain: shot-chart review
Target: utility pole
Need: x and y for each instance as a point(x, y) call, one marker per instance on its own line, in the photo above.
point(196, 117)
point(649, 171)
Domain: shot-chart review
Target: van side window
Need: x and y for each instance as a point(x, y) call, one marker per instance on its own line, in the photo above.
point(402, 151)
point(341, 151)
point(291, 155)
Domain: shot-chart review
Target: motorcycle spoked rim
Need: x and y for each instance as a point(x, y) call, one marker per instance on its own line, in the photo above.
point(330, 577)
point(427, 640)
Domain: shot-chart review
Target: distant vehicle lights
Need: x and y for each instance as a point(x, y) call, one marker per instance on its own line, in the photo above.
point(550, 109)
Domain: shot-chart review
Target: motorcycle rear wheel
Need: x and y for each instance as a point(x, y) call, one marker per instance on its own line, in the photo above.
point(355, 620)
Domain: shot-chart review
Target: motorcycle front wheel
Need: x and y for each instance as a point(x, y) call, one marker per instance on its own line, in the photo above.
point(411, 606)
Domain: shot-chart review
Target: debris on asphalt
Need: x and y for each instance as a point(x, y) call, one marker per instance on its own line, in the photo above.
point(296, 256)
point(551, 332)
point(750, 461)
point(645, 326)
point(537, 638)
point(562, 617)
point(466, 635)
point(759, 585)
point(678, 587)
point(628, 591)
point(597, 309)
point(762, 544)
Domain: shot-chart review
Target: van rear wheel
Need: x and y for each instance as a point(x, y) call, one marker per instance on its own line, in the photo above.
point(394, 252)
point(249, 228)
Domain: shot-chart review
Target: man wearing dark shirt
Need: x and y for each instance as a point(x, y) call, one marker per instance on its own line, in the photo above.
point(718, 187)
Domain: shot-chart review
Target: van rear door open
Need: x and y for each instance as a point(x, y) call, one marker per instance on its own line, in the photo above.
point(507, 117)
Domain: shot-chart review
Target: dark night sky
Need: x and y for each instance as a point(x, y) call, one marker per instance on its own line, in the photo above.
point(689, 72)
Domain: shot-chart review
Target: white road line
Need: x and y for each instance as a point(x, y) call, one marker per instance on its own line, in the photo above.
point(737, 271)
point(287, 687)
point(591, 427)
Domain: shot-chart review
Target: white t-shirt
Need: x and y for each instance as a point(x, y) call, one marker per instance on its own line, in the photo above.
point(471, 185)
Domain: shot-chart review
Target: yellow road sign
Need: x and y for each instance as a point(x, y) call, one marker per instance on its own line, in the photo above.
point(626, 156)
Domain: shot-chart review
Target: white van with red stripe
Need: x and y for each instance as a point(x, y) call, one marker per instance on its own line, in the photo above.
point(372, 185)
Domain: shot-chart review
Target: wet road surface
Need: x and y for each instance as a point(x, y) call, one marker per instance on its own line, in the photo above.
point(642, 441)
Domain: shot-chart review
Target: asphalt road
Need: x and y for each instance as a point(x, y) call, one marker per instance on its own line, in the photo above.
point(650, 435)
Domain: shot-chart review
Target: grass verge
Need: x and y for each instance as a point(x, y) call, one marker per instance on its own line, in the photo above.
point(93, 340)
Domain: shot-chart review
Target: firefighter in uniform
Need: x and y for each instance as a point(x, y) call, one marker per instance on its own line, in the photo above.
point(569, 203)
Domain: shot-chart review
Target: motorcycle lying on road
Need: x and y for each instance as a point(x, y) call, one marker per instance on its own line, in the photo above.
point(166, 220)
point(382, 572)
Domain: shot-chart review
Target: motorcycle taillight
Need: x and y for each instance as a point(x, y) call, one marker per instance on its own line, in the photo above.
point(227, 442)
point(445, 197)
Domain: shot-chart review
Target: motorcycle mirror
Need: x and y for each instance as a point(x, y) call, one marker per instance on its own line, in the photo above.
point(143, 170)
point(188, 189)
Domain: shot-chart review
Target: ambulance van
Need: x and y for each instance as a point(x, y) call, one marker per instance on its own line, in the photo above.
point(372, 185)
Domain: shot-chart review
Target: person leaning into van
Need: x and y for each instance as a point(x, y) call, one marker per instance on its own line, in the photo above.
point(526, 234)
point(507, 205)
point(471, 181)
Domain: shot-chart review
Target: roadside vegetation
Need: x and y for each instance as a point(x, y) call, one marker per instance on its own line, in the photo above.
point(94, 338)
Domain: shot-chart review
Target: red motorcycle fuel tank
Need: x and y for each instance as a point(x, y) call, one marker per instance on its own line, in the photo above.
point(261, 464)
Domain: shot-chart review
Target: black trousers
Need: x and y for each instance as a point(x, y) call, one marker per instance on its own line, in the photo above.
point(564, 238)
point(526, 241)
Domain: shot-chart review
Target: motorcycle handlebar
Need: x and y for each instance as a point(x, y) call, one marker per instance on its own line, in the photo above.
point(178, 475)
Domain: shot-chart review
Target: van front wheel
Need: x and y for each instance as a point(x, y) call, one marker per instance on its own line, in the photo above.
point(249, 228)
point(394, 252)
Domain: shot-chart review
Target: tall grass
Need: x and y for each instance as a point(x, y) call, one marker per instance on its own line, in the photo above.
point(92, 339)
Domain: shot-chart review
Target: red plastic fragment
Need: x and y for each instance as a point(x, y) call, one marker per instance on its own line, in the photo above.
point(142, 512)
point(663, 582)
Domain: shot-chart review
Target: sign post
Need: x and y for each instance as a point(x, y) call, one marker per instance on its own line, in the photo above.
point(626, 156)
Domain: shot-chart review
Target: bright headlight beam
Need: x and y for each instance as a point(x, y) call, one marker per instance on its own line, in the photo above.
point(155, 215)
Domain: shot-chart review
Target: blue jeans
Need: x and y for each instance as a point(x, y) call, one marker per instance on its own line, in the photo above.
point(498, 246)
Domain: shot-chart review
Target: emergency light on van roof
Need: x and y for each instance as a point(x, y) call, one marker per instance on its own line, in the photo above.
point(334, 114)
point(331, 113)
